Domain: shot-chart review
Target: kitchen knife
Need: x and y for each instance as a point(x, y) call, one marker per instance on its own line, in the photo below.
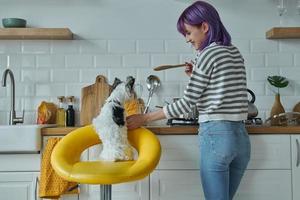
point(163, 67)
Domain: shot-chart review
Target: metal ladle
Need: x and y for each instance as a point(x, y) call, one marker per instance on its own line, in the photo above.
point(153, 82)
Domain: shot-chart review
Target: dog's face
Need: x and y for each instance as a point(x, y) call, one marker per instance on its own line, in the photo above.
point(125, 89)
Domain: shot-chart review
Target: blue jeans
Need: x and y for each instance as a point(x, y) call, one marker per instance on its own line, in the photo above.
point(225, 153)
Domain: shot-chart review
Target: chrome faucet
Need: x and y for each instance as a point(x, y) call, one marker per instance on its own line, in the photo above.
point(13, 119)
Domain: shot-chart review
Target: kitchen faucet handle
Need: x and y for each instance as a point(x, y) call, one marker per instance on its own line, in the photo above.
point(19, 120)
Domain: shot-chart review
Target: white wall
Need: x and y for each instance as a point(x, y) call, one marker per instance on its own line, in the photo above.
point(120, 38)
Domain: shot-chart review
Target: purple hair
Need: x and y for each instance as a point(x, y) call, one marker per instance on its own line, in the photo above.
point(200, 12)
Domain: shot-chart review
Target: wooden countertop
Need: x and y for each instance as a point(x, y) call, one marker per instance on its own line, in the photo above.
point(186, 130)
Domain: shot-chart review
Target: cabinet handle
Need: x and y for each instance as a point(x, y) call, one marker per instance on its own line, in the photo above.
point(298, 153)
point(35, 189)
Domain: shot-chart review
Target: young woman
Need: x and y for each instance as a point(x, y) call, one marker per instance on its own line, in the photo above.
point(217, 86)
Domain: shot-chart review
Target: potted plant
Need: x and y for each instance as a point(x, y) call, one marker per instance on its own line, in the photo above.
point(277, 108)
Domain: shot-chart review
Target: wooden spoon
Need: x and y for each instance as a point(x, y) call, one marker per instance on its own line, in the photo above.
point(163, 67)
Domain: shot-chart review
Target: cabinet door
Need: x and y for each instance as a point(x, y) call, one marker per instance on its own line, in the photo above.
point(18, 185)
point(175, 185)
point(265, 185)
point(137, 190)
point(270, 152)
point(179, 152)
point(296, 166)
point(255, 185)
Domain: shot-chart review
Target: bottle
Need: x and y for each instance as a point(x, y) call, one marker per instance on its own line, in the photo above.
point(61, 114)
point(70, 112)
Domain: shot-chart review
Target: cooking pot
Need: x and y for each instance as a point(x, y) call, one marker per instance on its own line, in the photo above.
point(252, 110)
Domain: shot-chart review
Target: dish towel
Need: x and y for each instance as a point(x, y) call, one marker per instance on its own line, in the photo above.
point(52, 185)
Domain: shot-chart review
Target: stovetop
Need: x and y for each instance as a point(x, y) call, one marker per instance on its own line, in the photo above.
point(192, 121)
point(182, 121)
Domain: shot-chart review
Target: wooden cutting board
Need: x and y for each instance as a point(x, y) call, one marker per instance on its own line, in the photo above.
point(92, 99)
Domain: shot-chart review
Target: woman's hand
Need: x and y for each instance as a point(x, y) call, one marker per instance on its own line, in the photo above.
point(188, 68)
point(138, 120)
point(135, 121)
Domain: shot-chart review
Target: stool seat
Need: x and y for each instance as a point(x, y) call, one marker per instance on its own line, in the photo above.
point(65, 158)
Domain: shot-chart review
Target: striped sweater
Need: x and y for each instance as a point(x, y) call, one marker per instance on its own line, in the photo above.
point(217, 86)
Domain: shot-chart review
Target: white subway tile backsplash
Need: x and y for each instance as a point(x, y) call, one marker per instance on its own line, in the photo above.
point(4, 103)
point(65, 76)
point(292, 73)
point(79, 61)
point(65, 46)
point(289, 45)
point(28, 61)
point(178, 46)
point(71, 65)
point(242, 44)
point(282, 59)
point(3, 92)
point(75, 89)
point(106, 61)
point(121, 46)
point(30, 117)
point(34, 76)
point(261, 74)
point(264, 46)
point(93, 46)
point(254, 59)
point(143, 73)
point(32, 103)
point(50, 90)
point(36, 47)
point(150, 46)
point(50, 61)
point(14, 61)
point(89, 75)
point(163, 59)
point(257, 87)
point(4, 116)
point(136, 60)
point(25, 90)
point(169, 89)
point(297, 60)
point(11, 46)
point(120, 73)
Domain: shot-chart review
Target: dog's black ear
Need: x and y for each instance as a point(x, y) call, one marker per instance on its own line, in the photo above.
point(116, 83)
point(130, 83)
point(118, 115)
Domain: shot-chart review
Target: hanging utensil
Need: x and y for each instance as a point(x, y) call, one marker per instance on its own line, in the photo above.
point(153, 82)
point(163, 67)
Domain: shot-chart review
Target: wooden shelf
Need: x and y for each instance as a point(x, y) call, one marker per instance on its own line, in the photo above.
point(36, 34)
point(283, 33)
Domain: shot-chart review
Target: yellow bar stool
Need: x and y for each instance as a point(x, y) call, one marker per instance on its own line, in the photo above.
point(65, 159)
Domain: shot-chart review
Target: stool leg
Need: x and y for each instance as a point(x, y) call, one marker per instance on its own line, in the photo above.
point(105, 192)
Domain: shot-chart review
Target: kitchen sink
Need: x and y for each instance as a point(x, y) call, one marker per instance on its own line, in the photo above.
point(20, 138)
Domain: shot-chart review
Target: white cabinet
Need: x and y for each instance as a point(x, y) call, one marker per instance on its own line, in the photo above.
point(270, 152)
point(295, 140)
point(175, 185)
point(268, 176)
point(18, 185)
point(265, 185)
point(177, 175)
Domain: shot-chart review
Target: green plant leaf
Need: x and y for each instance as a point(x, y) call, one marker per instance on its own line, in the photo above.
point(278, 81)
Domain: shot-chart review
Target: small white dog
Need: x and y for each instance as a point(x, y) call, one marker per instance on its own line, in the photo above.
point(110, 123)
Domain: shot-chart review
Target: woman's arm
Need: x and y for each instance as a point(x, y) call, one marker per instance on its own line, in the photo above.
point(138, 120)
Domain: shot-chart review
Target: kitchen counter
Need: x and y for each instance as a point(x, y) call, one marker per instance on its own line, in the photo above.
point(186, 130)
